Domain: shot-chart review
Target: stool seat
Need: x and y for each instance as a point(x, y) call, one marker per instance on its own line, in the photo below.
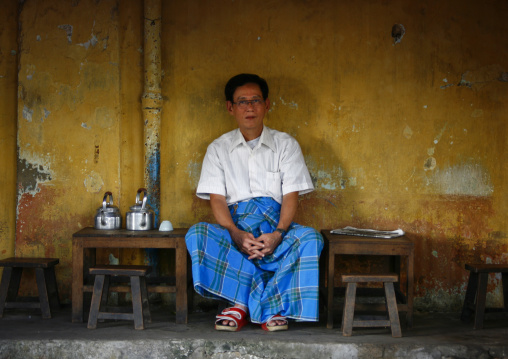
point(46, 284)
point(476, 292)
point(140, 306)
point(121, 270)
point(362, 278)
point(348, 317)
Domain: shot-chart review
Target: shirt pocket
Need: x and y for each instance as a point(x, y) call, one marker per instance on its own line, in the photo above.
point(274, 185)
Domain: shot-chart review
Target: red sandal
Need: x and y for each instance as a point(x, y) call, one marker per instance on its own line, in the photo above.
point(234, 314)
point(275, 328)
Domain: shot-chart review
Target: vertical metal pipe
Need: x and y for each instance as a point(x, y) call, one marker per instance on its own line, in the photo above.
point(152, 106)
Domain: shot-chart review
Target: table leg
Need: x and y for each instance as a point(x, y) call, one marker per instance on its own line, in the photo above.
point(410, 289)
point(330, 285)
point(77, 281)
point(181, 281)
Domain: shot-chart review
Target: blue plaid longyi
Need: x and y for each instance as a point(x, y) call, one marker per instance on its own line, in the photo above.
point(285, 282)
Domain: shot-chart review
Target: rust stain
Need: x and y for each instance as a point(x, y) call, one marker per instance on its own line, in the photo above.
point(44, 229)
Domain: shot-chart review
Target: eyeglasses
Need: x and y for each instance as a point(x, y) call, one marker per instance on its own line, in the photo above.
point(243, 104)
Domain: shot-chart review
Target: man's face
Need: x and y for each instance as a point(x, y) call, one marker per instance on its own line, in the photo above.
point(249, 116)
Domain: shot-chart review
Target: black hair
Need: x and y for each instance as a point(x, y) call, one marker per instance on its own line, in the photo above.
point(243, 79)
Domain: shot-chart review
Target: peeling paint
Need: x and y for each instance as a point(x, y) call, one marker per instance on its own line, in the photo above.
point(440, 134)
point(291, 104)
point(92, 42)
point(27, 113)
point(194, 171)
point(477, 113)
point(30, 175)
point(68, 31)
point(466, 179)
point(93, 182)
point(430, 164)
point(408, 132)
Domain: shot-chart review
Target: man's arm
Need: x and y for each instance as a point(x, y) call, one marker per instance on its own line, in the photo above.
point(287, 213)
point(244, 240)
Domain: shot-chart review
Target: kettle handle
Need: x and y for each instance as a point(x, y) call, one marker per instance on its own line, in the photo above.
point(103, 217)
point(104, 200)
point(144, 197)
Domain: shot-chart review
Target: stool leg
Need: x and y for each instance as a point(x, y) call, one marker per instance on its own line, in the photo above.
point(43, 292)
point(349, 310)
point(144, 298)
point(472, 287)
point(137, 305)
point(105, 295)
point(393, 313)
point(481, 296)
point(54, 300)
point(12, 293)
point(505, 290)
point(96, 300)
point(4, 288)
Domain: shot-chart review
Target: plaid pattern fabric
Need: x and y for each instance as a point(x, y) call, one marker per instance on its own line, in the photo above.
point(285, 282)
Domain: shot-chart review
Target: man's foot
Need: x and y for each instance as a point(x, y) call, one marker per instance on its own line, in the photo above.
point(231, 319)
point(275, 324)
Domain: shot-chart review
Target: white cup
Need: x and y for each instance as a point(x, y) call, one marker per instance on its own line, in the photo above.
point(166, 226)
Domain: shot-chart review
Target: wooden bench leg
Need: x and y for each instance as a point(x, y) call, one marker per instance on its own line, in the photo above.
point(96, 301)
point(469, 300)
point(393, 313)
point(349, 310)
point(481, 296)
point(137, 303)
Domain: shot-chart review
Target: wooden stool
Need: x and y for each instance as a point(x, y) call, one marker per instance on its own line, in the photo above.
point(140, 306)
point(46, 284)
point(477, 291)
point(348, 321)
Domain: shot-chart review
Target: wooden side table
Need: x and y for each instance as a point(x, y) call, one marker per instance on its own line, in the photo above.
point(86, 241)
point(336, 244)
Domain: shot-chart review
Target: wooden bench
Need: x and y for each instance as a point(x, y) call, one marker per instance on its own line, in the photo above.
point(476, 292)
point(140, 306)
point(348, 317)
point(46, 284)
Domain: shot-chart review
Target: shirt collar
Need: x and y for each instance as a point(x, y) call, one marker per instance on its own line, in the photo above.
point(266, 138)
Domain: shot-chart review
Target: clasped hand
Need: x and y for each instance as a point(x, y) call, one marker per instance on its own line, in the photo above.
point(256, 248)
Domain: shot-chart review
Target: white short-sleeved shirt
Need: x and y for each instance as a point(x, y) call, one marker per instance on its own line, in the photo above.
point(273, 168)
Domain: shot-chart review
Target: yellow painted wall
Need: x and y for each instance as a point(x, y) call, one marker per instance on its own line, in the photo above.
point(8, 80)
point(410, 135)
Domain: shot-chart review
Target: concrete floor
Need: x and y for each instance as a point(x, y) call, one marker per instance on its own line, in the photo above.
point(25, 335)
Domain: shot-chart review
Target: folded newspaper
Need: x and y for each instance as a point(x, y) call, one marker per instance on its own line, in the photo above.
point(352, 231)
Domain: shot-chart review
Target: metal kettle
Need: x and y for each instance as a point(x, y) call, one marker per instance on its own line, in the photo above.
point(108, 216)
point(140, 217)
